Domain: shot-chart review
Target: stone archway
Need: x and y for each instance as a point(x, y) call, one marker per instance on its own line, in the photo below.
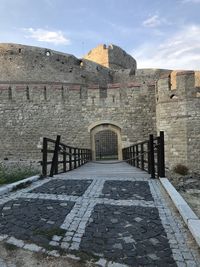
point(106, 128)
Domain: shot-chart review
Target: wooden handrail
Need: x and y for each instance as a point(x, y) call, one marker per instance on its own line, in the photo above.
point(148, 155)
point(71, 157)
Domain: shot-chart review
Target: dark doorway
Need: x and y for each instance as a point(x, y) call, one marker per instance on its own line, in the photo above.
point(106, 145)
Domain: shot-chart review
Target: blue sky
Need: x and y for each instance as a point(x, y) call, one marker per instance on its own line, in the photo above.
point(157, 33)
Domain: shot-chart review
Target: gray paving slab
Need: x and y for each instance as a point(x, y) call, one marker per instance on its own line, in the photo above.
point(114, 212)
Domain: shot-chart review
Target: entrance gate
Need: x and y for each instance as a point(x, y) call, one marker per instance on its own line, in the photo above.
point(106, 145)
point(106, 141)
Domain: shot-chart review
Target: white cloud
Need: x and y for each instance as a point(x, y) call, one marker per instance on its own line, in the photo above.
point(152, 22)
point(180, 51)
point(41, 35)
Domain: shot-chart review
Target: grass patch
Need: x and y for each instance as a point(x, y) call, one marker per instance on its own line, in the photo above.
point(10, 247)
point(14, 173)
point(86, 256)
point(181, 169)
point(50, 232)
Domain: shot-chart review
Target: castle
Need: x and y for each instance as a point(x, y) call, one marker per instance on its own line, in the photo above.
point(45, 93)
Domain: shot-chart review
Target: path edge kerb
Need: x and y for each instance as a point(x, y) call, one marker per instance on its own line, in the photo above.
point(188, 215)
point(8, 188)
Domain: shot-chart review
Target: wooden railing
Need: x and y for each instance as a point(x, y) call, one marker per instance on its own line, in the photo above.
point(148, 155)
point(58, 157)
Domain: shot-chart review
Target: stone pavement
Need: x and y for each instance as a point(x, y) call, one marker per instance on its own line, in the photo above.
point(112, 212)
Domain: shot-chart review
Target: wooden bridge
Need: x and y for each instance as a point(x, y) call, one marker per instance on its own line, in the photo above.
point(147, 155)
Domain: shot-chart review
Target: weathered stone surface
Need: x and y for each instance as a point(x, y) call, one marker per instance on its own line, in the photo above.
point(45, 93)
point(111, 56)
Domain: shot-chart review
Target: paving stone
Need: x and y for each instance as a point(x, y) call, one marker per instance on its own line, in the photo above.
point(191, 264)
point(67, 238)
point(56, 238)
point(53, 253)
point(101, 262)
point(68, 187)
point(127, 190)
point(16, 242)
point(33, 247)
point(34, 222)
point(54, 243)
point(115, 264)
point(65, 245)
point(133, 240)
point(187, 255)
point(3, 237)
point(122, 217)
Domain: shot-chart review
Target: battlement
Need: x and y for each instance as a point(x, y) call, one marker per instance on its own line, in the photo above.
point(57, 91)
point(178, 85)
point(44, 93)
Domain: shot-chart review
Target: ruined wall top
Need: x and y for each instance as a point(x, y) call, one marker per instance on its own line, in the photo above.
point(28, 63)
point(111, 56)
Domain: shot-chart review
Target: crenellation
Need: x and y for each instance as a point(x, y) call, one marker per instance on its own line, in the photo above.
point(4, 93)
point(45, 93)
point(185, 81)
point(37, 93)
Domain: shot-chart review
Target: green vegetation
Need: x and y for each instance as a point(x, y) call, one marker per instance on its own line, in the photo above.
point(49, 233)
point(9, 246)
point(181, 169)
point(15, 172)
point(86, 256)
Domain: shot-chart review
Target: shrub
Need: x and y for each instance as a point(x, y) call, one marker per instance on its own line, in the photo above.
point(14, 173)
point(181, 169)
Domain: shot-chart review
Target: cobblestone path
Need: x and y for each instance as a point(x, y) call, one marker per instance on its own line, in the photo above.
point(112, 211)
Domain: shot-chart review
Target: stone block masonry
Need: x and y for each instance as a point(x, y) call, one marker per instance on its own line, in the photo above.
point(178, 114)
point(46, 93)
point(30, 111)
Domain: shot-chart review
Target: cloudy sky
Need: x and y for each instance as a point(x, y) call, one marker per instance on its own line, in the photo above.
point(157, 33)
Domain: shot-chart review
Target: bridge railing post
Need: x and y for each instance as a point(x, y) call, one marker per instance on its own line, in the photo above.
point(70, 158)
point(54, 165)
point(44, 157)
point(137, 157)
point(64, 159)
point(130, 155)
point(134, 156)
point(74, 154)
point(151, 156)
point(148, 157)
point(142, 156)
point(162, 155)
point(88, 152)
point(79, 157)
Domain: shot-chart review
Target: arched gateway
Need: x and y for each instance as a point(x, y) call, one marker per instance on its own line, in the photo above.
point(106, 141)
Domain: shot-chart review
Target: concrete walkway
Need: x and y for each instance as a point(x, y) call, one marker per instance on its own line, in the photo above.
point(113, 213)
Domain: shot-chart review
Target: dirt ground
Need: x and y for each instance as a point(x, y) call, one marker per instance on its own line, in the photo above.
point(16, 257)
point(189, 187)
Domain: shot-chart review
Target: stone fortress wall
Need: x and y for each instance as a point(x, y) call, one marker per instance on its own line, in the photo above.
point(45, 93)
point(178, 114)
point(31, 111)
